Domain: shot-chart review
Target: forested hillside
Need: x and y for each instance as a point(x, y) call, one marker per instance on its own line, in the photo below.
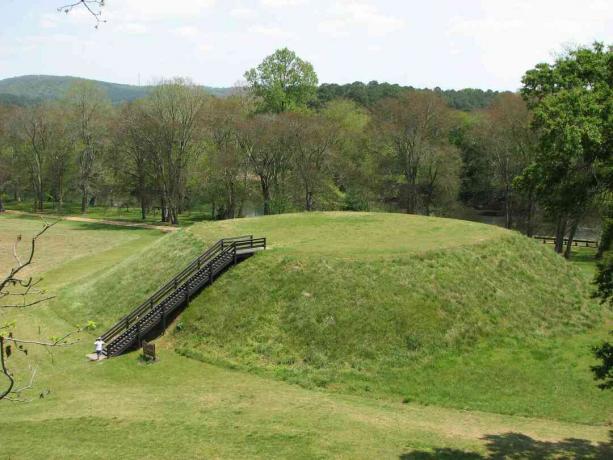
point(29, 89)
point(34, 88)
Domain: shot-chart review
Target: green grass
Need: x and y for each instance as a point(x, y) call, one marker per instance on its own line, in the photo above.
point(363, 303)
point(184, 408)
point(117, 213)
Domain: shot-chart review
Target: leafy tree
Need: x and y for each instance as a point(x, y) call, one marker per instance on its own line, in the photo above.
point(351, 168)
point(226, 167)
point(174, 136)
point(571, 102)
point(283, 82)
point(411, 135)
point(508, 144)
point(311, 139)
point(88, 111)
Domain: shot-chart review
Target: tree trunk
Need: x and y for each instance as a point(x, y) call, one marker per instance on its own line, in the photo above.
point(571, 236)
point(1, 204)
point(530, 216)
point(83, 200)
point(606, 238)
point(163, 208)
point(507, 208)
point(143, 207)
point(309, 200)
point(266, 196)
point(560, 232)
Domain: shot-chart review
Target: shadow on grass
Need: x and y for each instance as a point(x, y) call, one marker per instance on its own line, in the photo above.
point(519, 446)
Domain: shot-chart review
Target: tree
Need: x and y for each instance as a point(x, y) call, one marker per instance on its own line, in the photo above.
point(506, 138)
point(311, 139)
point(604, 289)
point(350, 167)
point(172, 132)
point(93, 7)
point(88, 107)
point(133, 154)
point(32, 137)
point(262, 139)
point(411, 134)
point(571, 101)
point(283, 82)
point(226, 164)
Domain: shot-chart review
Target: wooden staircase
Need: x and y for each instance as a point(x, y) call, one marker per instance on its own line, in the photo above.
point(130, 330)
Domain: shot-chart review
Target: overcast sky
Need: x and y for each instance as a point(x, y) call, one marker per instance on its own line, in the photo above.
point(446, 43)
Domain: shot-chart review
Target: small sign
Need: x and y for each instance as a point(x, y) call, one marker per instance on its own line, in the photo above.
point(149, 351)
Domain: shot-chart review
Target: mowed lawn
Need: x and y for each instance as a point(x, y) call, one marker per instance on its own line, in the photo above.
point(183, 408)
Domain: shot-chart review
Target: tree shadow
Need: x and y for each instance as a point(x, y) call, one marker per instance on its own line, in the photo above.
point(519, 446)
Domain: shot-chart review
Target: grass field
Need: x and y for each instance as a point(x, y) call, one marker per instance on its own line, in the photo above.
point(453, 399)
point(117, 213)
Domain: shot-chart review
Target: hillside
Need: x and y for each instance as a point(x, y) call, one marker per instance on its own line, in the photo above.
point(28, 89)
point(33, 88)
point(389, 305)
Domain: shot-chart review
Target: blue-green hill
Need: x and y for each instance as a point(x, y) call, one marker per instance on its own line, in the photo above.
point(34, 88)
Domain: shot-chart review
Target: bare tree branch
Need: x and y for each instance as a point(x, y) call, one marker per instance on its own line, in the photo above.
point(12, 279)
point(92, 6)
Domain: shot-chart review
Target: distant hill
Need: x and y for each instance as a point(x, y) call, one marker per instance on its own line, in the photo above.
point(29, 89)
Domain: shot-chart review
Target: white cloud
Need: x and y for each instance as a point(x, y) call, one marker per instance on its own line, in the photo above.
point(241, 12)
point(186, 31)
point(131, 28)
point(513, 37)
point(155, 10)
point(282, 3)
point(345, 15)
point(48, 21)
point(269, 31)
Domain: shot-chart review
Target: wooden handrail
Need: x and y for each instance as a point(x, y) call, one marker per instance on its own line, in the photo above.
point(576, 241)
point(222, 247)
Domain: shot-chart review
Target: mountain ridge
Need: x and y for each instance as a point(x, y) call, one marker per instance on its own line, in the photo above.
point(25, 89)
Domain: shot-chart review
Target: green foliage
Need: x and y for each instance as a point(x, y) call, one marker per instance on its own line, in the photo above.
point(368, 94)
point(571, 101)
point(604, 370)
point(283, 81)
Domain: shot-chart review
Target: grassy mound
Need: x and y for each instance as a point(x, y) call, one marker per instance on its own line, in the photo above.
point(388, 304)
point(356, 289)
point(432, 310)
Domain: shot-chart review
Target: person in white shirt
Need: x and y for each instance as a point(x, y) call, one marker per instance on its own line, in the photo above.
point(99, 344)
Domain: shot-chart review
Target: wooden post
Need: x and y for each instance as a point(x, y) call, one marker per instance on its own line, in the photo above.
point(138, 340)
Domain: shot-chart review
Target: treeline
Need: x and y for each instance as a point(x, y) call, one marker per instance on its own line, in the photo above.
point(368, 94)
point(283, 143)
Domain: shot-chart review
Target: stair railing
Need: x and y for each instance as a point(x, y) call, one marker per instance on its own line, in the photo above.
point(222, 246)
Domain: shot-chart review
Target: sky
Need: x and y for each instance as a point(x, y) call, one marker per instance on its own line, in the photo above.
point(445, 43)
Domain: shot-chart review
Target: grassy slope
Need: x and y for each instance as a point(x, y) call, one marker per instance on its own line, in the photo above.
point(364, 303)
point(122, 408)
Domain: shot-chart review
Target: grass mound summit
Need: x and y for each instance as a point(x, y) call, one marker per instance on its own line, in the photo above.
point(358, 289)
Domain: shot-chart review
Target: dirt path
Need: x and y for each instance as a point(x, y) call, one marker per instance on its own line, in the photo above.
point(90, 220)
